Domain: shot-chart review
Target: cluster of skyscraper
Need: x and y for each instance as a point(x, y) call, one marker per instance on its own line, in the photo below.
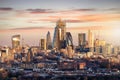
point(61, 38)
point(63, 43)
point(64, 40)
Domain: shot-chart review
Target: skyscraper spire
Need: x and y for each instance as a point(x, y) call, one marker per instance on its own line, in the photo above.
point(49, 43)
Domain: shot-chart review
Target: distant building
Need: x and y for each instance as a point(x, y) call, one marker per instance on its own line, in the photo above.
point(5, 54)
point(81, 39)
point(72, 65)
point(99, 43)
point(70, 51)
point(15, 41)
point(43, 44)
point(116, 50)
point(0, 53)
point(99, 46)
point(69, 39)
point(48, 41)
point(5, 51)
point(59, 34)
point(108, 49)
point(90, 39)
point(29, 55)
point(67, 65)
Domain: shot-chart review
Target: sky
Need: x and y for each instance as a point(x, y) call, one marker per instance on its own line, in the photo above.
point(32, 19)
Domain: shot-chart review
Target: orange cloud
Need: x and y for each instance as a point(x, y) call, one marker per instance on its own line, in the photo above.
point(99, 17)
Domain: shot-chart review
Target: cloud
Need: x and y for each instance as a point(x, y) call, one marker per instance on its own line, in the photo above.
point(27, 28)
point(78, 19)
point(84, 10)
point(40, 11)
point(113, 9)
point(99, 17)
point(68, 28)
point(5, 9)
point(73, 21)
point(91, 28)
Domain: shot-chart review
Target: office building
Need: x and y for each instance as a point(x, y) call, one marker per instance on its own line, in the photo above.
point(59, 35)
point(69, 39)
point(43, 44)
point(99, 46)
point(107, 49)
point(48, 41)
point(98, 43)
point(81, 39)
point(15, 41)
point(90, 39)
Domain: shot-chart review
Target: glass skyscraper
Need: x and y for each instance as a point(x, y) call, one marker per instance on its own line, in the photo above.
point(48, 41)
point(69, 39)
point(59, 34)
point(15, 41)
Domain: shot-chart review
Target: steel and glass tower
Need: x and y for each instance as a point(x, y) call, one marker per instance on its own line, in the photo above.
point(69, 39)
point(48, 41)
point(59, 34)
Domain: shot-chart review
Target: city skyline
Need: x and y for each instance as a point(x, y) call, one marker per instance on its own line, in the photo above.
point(59, 40)
point(40, 16)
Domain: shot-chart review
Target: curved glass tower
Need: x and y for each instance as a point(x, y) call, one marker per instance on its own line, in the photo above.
point(69, 39)
point(59, 34)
